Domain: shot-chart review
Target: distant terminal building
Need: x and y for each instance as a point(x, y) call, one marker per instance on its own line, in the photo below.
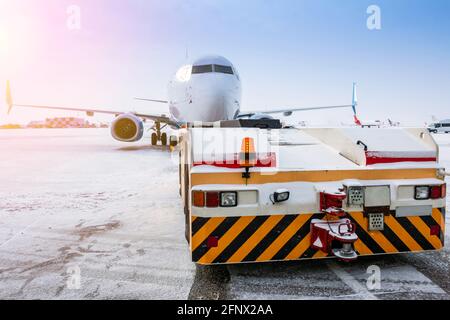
point(62, 122)
point(36, 124)
point(66, 122)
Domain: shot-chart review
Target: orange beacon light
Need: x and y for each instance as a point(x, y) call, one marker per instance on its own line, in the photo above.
point(247, 156)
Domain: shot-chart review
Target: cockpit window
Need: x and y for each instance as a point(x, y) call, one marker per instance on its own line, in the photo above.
point(223, 69)
point(202, 69)
point(212, 68)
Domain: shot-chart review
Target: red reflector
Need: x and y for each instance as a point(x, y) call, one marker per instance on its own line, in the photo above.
point(435, 192)
point(435, 230)
point(212, 199)
point(444, 190)
point(212, 242)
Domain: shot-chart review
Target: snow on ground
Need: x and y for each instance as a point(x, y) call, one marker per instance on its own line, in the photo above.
point(75, 200)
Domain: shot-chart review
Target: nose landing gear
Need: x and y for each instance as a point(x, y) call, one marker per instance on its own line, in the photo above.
point(158, 135)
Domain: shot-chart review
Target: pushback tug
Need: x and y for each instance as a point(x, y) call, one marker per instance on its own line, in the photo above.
point(254, 192)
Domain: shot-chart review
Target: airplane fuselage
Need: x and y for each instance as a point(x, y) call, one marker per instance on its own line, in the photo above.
point(208, 90)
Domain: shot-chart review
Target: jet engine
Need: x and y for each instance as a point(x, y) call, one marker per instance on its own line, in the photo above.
point(127, 128)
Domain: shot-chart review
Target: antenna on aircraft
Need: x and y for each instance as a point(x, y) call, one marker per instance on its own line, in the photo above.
point(187, 53)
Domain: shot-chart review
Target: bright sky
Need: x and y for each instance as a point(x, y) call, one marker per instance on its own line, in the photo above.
point(289, 53)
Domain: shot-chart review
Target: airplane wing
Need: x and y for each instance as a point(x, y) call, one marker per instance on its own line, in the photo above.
point(152, 100)
point(289, 111)
point(89, 111)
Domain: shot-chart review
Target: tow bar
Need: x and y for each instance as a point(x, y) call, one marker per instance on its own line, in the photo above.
point(334, 234)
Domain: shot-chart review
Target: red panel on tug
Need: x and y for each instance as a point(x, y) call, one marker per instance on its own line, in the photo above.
point(374, 157)
point(263, 160)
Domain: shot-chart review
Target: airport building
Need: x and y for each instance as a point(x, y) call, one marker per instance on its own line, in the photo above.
point(62, 122)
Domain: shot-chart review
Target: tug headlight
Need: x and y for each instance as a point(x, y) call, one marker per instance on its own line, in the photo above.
point(422, 193)
point(281, 195)
point(228, 199)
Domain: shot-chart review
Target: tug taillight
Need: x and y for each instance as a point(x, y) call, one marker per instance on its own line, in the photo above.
point(430, 192)
point(214, 199)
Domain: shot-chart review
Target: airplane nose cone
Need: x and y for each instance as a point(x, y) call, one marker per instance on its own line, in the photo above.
point(214, 106)
point(211, 98)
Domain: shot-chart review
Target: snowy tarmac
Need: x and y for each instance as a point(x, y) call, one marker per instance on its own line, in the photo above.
point(85, 217)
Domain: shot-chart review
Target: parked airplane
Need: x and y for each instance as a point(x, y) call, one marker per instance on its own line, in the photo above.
point(369, 123)
point(358, 122)
point(209, 90)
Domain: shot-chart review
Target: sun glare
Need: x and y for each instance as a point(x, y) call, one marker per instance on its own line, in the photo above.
point(184, 73)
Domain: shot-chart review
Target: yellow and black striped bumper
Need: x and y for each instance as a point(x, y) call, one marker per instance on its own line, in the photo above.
point(287, 237)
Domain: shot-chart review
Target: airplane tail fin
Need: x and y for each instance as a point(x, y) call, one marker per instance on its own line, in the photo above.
point(354, 104)
point(9, 100)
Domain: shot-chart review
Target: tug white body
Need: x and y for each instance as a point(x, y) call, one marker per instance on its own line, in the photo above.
point(310, 193)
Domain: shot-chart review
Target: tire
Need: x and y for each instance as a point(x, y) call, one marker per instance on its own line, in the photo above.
point(173, 141)
point(164, 139)
point(187, 214)
point(187, 225)
point(154, 139)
